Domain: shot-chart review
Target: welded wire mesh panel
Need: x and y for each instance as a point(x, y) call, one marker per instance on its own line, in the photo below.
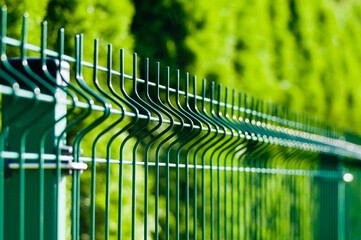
point(129, 152)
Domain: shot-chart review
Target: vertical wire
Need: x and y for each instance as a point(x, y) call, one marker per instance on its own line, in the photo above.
point(79, 137)
point(201, 119)
point(157, 110)
point(178, 132)
point(165, 110)
point(157, 177)
point(245, 189)
point(232, 173)
point(50, 127)
point(258, 186)
point(267, 181)
point(192, 115)
point(225, 177)
point(140, 103)
point(251, 177)
point(223, 148)
point(30, 78)
point(106, 114)
point(167, 171)
point(189, 137)
point(77, 155)
point(35, 78)
point(187, 168)
point(211, 166)
point(177, 169)
point(230, 148)
point(293, 201)
point(195, 172)
point(239, 175)
point(107, 178)
point(74, 182)
point(132, 134)
point(77, 174)
point(253, 164)
point(120, 187)
point(22, 149)
point(2, 135)
point(58, 151)
point(42, 150)
point(93, 168)
point(217, 125)
point(123, 129)
point(134, 163)
point(219, 173)
point(146, 167)
point(203, 171)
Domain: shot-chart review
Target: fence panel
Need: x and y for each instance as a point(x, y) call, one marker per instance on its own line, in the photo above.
point(91, 152)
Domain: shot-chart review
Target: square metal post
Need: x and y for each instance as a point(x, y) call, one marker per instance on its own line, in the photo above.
point(332, 200)
point(47, 113)
point(341, 206)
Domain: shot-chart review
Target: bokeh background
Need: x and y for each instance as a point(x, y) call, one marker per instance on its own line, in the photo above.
point(302, 54)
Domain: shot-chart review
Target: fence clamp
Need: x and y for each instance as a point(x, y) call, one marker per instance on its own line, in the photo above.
point(67, 167)
point(63, 166)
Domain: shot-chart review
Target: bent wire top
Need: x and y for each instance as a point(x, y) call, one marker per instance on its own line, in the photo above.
point(55, 104)
point(249, 119)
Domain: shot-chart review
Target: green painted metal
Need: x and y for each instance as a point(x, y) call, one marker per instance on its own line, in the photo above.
point(341, 206)
point(27, 193)
point(209, 168)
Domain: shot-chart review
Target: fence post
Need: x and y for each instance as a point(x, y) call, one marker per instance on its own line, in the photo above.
point(46, 113)
point(341, 206)
point(332, 202)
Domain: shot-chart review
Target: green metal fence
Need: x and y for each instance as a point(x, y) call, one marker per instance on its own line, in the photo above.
point(90, 152)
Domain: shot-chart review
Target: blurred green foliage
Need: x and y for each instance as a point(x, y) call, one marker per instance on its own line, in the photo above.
point(302, 54)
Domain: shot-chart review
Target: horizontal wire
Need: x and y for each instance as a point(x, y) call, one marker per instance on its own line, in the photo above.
point(48, 165)
point(299, 172)
point(342, 144)
point(48, 98)
point(48, 52)
point(314, 137)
